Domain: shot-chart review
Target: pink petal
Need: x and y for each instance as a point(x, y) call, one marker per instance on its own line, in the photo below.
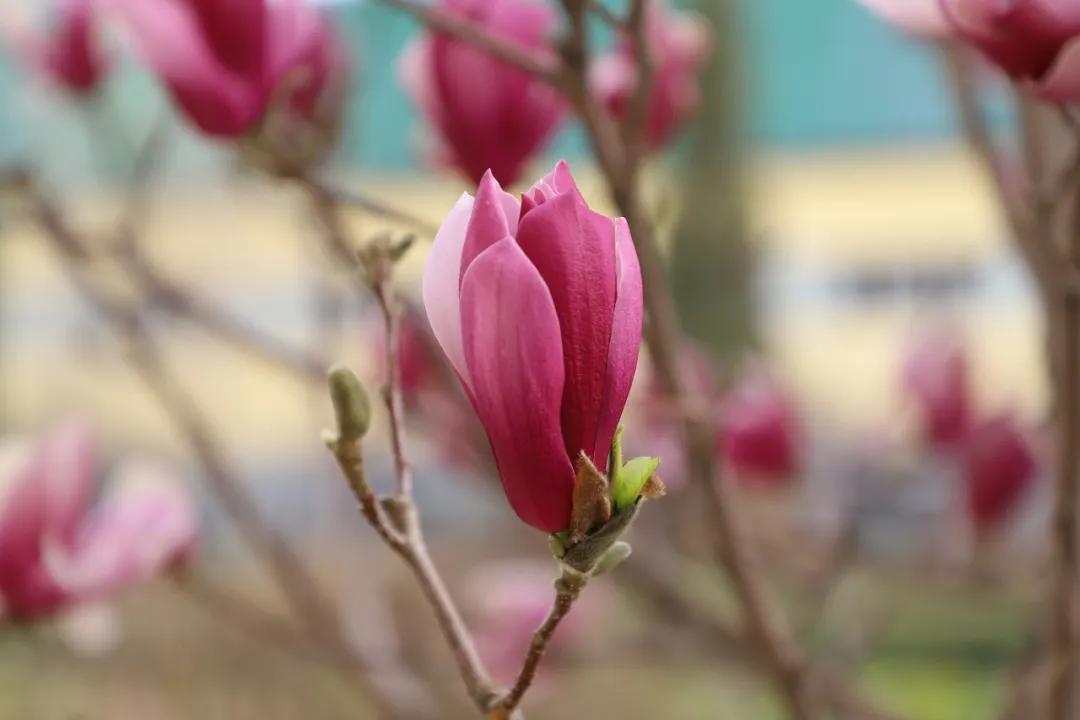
point(557, 182)
point(625, 337)
point(1062, 83)
point(23, 508)
point(414, 72)
point(301, 48)
point(145, 524)
point(999, 465)
point(514, 354)
point(494, 216)
point(493, 117)
point(573, 248)
point(919, 17)
point(235, 31)
point(168, 36)
point(440, 286)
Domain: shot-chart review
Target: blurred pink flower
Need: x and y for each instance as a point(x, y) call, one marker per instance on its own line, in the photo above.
point(760, 436)
point(510, 600)
point(56, 551)
point(918, 17)
point(69, 53)
point(1034, 41)
point(225, 61)
point(538, 307)
point(679, 44)
point(935, 374)
point(487, 115)
point(998, 464)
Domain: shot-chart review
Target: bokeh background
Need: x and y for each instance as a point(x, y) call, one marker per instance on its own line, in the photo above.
point(820, 214)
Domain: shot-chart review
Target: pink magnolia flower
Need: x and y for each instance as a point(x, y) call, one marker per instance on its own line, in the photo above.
point(56, 551)
point(1034, 41)
point(760, 436)
point(679, 44)
point(924, 18)
point(998, 465)
point(538, 307)
point(225, 61)
point(69, 54)
point(487, 114)
point(511, 600)
point(935, 374)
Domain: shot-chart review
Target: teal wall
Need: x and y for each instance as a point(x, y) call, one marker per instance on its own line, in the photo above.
point(819, 72)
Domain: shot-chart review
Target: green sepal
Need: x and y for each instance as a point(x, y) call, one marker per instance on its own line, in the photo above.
point(615, 455)
point(614, 557)
point(630, 479)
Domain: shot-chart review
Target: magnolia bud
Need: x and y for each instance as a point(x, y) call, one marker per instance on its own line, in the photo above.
point(352, 408)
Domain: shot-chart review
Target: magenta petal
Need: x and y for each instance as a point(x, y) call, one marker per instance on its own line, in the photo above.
point(573, 248)
point(235, 31)
point(494, 216)
point(169, 38)
point(625, 338)
point(23, 509)
point(513, 349)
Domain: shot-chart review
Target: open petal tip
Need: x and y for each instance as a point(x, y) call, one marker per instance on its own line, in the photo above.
point(440, 285)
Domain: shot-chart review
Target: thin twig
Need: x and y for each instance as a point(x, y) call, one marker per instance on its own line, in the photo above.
point(351, 198)
point(395, 517)
point(395, 403)
point(1064, 653)
point(297, 585)
point(512, 53)
point(1025, 226)
point(636, 122)
point(567, 589)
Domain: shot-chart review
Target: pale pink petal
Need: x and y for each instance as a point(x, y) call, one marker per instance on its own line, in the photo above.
point(514, 353)
point(440, 287)
point(919, 17)
point(1062, 83)
point(146, 524)
point(70, 464)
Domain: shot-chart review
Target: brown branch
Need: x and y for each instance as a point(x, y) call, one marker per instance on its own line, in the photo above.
point(635, 125)
point(1064, 653)
point(567, 589)
point(469, 32)
point(123, 316)
point(352, 199)
point(171, 296)
point(395, 517)
point(1027, 227)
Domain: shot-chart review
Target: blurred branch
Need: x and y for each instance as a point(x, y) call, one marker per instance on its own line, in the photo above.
point(352, 199)
point(1054, 267)
point(395, 517)
point(1066, 351)
point(461, 28)
point(299, 588)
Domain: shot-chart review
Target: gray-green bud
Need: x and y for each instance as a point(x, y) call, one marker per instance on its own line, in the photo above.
point(351, 405)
